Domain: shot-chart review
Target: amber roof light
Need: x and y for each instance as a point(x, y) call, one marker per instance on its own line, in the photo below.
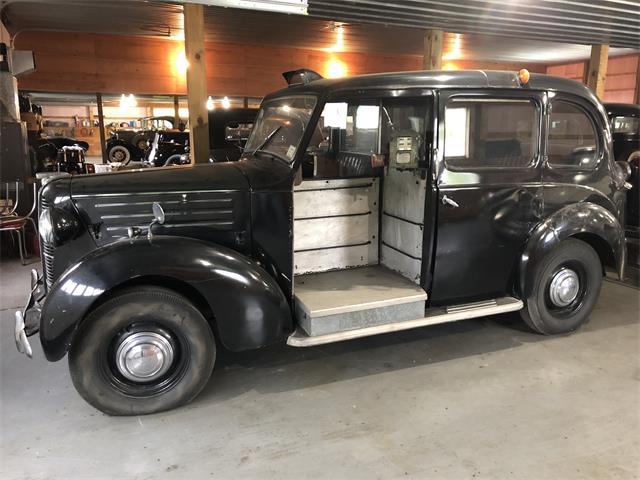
point(523, 76)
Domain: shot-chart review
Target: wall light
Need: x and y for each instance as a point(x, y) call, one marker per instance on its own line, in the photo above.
point(181, 63)
point(210, 105)
point(336, 68)
point(226, 103)
point(128, 101)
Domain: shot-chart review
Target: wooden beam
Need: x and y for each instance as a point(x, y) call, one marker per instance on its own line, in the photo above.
point(103, 140)
point(637, 99)
point(432, 56)
point(597, 73)
point(196, 82)
point(176, 111)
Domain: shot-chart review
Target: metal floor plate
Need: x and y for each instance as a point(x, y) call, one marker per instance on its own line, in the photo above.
point(356, 289)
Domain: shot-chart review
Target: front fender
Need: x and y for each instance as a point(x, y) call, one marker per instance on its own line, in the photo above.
point(249, 308)
point(576, 219)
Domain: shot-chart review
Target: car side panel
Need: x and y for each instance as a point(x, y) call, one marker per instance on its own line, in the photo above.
point(248, 306)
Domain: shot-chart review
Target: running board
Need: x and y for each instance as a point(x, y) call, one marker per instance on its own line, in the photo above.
point(434, 316)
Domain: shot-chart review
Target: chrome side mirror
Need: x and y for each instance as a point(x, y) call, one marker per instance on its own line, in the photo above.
point(158, 213)
point(158, 218)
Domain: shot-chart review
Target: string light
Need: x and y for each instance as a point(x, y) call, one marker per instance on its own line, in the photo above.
point(210, 104)
point(226, 103)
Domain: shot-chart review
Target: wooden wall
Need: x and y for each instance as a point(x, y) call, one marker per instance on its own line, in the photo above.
point(69, 62)
point(622, 77)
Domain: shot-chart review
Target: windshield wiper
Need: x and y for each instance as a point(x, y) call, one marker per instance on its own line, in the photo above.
point(266, 140)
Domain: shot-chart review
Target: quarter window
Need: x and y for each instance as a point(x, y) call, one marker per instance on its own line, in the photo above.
point(490, 133)
point(573, 139)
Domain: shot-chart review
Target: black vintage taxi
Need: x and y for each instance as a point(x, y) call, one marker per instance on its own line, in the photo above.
point(360, 206)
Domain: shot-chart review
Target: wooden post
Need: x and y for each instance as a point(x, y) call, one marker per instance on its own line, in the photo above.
point(637, 99)
point(176, 111)
point(432, 57)
point(196, 82)
point(597, 73)
point(103, 140)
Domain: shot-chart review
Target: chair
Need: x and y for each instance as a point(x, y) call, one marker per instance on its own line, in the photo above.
point(16, 224)
point(9, 207)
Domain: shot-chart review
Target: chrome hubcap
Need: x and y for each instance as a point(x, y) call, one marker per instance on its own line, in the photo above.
point(144, 356)
point(564, 287)
point(118, 155)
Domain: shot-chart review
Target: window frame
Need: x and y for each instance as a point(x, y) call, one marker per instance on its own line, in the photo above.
point(488, 97)
point(599, 154)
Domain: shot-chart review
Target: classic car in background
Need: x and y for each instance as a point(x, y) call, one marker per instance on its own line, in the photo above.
point(61, 154)
point(229, 130)
point(126, 144)
point(625, 130)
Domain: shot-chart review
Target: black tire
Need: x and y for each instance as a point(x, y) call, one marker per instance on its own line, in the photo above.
point(119, 153)
point(140, 141)
point(540, 313)
point(93, 358)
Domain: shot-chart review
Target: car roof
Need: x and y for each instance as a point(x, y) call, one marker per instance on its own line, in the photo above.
point(614, 109)
point(439, 79)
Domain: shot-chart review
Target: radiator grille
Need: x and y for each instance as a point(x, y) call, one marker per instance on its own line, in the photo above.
point(47, 252)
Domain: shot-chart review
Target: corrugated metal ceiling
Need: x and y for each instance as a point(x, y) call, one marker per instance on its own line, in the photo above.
point(616, 22)
point(376, 28)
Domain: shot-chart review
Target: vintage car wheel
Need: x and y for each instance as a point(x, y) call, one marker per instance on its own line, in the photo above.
point(566, 287)
point(144, 350)
point(120, 154)
point(141, 142)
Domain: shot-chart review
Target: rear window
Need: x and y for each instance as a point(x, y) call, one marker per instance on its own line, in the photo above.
point(490, 133)
point(626, 125)
point(573, 139)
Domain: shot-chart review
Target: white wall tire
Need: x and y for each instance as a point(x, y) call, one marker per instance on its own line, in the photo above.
point(119, 154)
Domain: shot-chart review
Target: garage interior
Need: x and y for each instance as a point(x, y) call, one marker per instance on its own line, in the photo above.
point(482, 398)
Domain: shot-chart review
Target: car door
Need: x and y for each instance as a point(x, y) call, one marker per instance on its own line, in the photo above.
point(488, 190)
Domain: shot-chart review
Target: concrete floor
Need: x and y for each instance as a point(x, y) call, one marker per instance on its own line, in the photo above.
point(474, 399)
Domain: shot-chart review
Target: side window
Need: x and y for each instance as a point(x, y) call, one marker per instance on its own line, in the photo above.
point(237, 132)
point(359, 138)
point(629, 125)
point(573, 139)
point(490, 133)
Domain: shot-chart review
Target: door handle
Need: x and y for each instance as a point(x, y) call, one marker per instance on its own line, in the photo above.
point(449, 202)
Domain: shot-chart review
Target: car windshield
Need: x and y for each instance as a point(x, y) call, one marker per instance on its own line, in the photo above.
point(280, 125)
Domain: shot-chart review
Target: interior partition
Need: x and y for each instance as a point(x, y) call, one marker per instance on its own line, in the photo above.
point(336, 224)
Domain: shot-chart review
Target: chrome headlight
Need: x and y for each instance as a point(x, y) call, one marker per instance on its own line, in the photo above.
point(57, 226)
point(45, 226)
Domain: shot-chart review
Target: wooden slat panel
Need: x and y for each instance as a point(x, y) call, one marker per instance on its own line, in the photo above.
point(332, 232)
point(348, 201)
point(331, 259)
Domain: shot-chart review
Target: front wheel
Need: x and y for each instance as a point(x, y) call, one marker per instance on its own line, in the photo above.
point(565, 289)
point(144, 350)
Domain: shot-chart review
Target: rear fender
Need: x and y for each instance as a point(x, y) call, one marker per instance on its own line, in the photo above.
point(249, 308)
point(586, 221)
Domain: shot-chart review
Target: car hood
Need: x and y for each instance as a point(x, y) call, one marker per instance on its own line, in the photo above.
point(222, 176)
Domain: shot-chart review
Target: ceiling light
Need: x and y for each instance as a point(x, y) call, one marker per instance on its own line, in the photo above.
point(210, 105)
point(282, 6)
point(226, 103)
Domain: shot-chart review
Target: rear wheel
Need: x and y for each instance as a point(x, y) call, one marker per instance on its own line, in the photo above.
point(142, 351)
point(566, 287)
point(119, 154)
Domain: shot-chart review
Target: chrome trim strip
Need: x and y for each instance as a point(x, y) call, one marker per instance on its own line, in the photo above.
point(464, 307)
point(436, 316)
point(175, 192)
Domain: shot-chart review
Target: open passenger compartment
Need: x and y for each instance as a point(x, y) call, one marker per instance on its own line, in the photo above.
point(341, 281)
